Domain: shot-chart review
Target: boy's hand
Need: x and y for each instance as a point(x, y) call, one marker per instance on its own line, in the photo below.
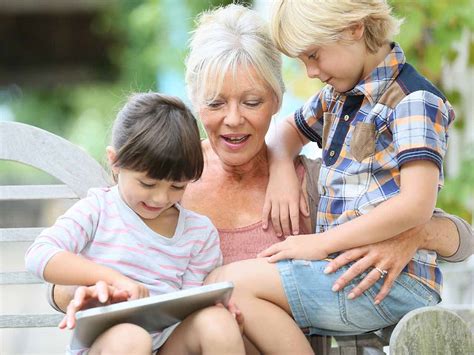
point(86, 297)
point(305, 247)
point(284, 200)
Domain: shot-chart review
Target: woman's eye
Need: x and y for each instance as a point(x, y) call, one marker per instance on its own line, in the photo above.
point(253, 103)
point(148, 186)
point(214, 104)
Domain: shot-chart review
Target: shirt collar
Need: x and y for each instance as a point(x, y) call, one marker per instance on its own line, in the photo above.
point(375, 84)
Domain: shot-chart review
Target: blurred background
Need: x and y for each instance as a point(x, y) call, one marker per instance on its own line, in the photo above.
point(67, 66)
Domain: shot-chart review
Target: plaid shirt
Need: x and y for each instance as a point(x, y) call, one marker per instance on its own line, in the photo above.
point(391, 117)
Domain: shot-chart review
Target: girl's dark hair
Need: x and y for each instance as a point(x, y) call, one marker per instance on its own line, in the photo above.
point(158, 134)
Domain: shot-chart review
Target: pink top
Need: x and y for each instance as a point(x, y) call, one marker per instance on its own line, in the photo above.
point(246, 242)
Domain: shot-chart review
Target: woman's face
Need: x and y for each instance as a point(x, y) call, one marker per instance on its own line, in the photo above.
point(237, 119)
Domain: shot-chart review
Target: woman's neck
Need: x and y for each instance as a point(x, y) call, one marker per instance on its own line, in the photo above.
point(255, 169)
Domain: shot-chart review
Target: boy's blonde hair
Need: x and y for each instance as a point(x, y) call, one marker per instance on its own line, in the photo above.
point(297, 25)
point(227, 38)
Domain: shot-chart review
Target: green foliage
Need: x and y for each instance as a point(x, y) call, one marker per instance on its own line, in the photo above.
point(429, 31)
point(457, 195)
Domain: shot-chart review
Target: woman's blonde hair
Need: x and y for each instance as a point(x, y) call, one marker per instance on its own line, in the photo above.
point(227, 38)
point(299, 25)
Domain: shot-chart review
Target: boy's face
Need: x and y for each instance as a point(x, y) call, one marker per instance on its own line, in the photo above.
point(341, 65)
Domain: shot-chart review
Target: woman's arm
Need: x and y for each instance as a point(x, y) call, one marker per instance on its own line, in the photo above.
point(440, 237)
point(445, 234)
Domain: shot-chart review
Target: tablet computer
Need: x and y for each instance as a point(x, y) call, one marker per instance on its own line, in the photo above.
point(152, 313)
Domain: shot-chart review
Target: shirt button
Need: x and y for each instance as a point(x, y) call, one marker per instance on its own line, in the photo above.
point(331, 153)
point(346, 117)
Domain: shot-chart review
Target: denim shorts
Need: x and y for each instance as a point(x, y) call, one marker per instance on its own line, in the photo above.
point(322, 311)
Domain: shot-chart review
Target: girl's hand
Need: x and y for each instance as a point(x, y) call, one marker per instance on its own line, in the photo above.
point(306, 247)
point(283, 201)
point(391, 255)
point(134, 289)
point(236, 313)
point(86, 297)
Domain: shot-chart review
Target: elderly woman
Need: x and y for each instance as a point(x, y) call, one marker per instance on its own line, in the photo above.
point(235, 85)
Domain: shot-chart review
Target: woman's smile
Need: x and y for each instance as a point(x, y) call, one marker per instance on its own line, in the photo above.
point(235, 141)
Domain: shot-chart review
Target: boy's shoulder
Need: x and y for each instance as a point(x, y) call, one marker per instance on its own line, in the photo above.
point(407, 82)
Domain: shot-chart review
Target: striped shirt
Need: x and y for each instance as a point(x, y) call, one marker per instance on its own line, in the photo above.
point(103, 229)
point(391, 117)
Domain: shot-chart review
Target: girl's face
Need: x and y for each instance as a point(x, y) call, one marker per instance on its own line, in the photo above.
point(148, 198)
point(237, 119)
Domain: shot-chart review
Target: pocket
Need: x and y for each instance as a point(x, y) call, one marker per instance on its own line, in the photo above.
point(363, 141)
point(328, 119)
point(406, 295)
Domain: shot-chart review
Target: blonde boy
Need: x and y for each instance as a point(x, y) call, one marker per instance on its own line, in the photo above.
point(383, 131)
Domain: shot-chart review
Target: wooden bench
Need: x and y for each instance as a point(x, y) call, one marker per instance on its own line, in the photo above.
point(430, 330)
point(76, 172)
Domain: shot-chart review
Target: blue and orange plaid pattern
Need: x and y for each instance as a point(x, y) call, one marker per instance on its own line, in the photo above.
point(413, 128)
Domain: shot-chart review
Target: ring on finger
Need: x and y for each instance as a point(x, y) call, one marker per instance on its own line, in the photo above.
point(382, 272)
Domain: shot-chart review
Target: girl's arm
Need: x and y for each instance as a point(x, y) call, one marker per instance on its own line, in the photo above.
point(413, 206)
point(66, 268)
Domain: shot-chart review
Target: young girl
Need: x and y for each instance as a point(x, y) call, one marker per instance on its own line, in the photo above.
point(135, 236)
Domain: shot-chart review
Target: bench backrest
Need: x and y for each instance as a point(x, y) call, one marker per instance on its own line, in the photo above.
point(73, 168)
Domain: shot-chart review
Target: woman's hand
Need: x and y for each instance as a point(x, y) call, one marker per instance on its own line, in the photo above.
point(284, 200)
point(86, 297)
point(305, 247)
point(391, 255)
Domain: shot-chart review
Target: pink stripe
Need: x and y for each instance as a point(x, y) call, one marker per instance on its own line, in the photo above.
point(198, 271)
point(173, 267)
point(117, 246)
point(213, 245)
point(117, 262)
point(168, 254)
point(42, 264)
point(91, 206)
point(86, 215)
point(73, 238)
point(205, 263)
point(194, 228)
point(192, 217)
point(109, 203)
point(132, 227)
point(192, 242)
point(111, 230)
point(56, 242)
point(192, 283)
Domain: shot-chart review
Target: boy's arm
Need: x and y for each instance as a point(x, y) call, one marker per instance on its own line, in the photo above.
point(413, 206)
point(283, 200)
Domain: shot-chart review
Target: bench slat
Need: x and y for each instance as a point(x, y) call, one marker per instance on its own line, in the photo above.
point(19, 234)
point(18, 278)
point(35, 192)
point(30, 320)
